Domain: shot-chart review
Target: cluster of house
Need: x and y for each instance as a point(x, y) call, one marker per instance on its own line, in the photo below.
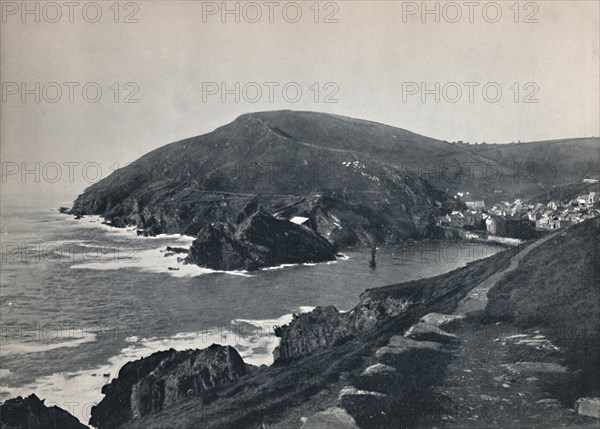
point(519, 219)
point(556, 214)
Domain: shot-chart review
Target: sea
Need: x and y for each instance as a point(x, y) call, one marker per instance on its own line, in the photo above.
point(79, 299)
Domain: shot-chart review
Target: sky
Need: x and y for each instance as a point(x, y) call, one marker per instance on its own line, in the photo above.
point(499, 72)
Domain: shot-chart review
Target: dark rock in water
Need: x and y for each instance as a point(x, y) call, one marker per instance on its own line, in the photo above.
point(176, 249)
point(171, 251)
point(218, 250)
point(32, 413)
point(150, 384)
point(63, 210)
point(259, 240)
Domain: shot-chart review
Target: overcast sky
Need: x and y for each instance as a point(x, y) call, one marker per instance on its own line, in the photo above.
point(371, 63)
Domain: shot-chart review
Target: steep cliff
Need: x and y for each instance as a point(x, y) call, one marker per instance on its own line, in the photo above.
point(260, 240)
point(165, 378)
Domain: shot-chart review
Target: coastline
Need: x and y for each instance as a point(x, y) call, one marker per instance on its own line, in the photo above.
point(142, 347)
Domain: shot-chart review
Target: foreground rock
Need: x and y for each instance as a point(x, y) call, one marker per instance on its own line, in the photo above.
point(331, 418)
point(378, 370)
point(150, 384)
point(589, 407)
point(32, 413)
point(353, 391)
point(399, 345)
point(440, 320)
point(395, 392)
point(258, 241)
point(427, 332)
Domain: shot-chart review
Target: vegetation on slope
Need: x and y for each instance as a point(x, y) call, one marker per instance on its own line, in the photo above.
point(557, 288)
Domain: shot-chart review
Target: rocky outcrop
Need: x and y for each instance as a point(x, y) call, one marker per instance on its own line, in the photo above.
point(401, 345)
point(150, 384)
point(353, 391)
point(257, 241)
point(310, 331)
point(378, 369)
point(325, 326)
point(331, 418)
point(32, 413)
point(395, 391)
point(428, 332)
point(440, 320)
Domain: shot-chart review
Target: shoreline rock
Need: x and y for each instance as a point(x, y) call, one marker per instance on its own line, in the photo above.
point(165, 378)
point(258, 241)
point(32, 413)
point(325, 326)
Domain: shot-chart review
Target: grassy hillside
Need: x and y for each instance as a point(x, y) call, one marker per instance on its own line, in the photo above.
point(557, 288)
point(547, 169)
point(359, 181)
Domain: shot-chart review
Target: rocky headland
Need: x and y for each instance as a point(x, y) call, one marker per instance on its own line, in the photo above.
point(148, 385)
point(352, 182)
point(257, 240)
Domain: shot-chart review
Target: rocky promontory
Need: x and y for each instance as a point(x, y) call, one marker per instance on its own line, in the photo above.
point(256, 241)
point(32, 413)
point(325, 326)
point(150, 384)
point(339, 173)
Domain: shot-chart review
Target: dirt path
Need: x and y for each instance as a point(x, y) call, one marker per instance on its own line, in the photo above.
point(501, 375)
point(487, 388)
point(477, 299)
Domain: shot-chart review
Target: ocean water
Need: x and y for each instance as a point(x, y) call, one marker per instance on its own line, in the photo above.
point(79, 299)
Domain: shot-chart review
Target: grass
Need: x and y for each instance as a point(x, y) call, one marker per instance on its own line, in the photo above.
point(557, 289)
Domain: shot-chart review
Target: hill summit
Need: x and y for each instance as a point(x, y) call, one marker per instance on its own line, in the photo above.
point(344, 175)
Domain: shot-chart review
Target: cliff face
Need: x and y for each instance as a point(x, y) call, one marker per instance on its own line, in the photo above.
point(32, 413)
point(163, 379)
point(325, 326)
point(258, 241)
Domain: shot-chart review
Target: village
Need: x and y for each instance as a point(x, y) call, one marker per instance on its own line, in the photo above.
point(518, 220)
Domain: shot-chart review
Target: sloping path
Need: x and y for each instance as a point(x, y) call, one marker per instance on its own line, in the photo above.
point(477, 299)
point(487, 385)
